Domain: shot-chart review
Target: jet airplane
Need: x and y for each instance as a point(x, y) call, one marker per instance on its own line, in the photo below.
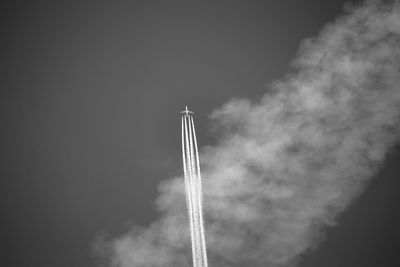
point(186, 112)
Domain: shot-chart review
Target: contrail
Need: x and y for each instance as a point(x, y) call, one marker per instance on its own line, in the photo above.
point(188, 185)
point(194, 198)
point(203, 241)
point(191, 193)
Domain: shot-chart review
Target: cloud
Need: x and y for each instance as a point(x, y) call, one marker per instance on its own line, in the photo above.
point(287, 165)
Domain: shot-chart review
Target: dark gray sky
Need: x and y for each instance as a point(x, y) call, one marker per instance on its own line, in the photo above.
point(90, 96)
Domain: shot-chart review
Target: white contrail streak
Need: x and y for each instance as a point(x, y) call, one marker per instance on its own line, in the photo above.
point(193, 188)
point(196, 190)
point(200, 189)
point(195, 195)
point(192, 195)
point(189, 192)
point(187, 185)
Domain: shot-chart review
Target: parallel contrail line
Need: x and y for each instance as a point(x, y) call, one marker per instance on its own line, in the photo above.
point(194, 194)
point(187, 185)
point(203, 247)
point(189, 191)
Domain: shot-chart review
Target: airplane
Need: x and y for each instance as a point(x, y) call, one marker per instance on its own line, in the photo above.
point(187, 112)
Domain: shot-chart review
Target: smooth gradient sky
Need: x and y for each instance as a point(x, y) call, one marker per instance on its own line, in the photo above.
point(90, 99)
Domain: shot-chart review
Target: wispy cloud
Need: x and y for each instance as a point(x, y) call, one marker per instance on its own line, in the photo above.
point(287, 165)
